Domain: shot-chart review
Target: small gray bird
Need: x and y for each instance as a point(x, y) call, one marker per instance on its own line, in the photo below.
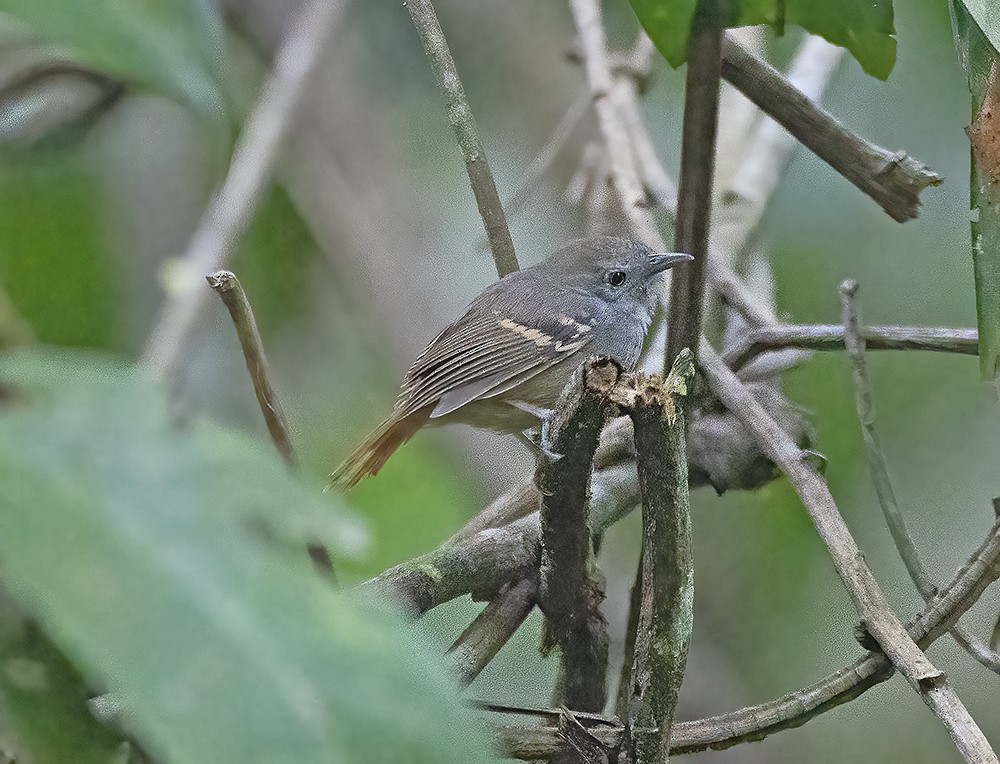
point(503, 364)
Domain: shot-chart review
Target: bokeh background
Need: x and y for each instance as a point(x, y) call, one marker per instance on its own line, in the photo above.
point(368, 242)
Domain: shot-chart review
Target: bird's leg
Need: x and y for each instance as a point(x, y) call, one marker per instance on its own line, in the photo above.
point(537, 442)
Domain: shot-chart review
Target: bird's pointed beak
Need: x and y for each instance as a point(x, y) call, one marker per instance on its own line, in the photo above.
point(661, 261)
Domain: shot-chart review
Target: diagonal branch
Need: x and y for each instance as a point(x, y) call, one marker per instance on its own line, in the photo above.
point(464, 126)
point(873, 607)
point(855, 343)
point(227, 217)
point(894, 181)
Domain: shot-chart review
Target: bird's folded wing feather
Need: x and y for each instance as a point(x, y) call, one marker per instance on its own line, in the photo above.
point(483, 356)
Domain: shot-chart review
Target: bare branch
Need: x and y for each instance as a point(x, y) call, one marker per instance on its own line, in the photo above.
point(491, 629)
point(694, 202)
point(795, 708)
point(230, 291)
point(567, 592)
point(894, 181)
point(464, 126)
point(855, 343)
point(873, 607)
point(227, 217)
point(666, 574)
point(761, 339)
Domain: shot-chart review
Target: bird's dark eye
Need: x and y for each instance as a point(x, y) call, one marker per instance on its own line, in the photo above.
point(616, 278)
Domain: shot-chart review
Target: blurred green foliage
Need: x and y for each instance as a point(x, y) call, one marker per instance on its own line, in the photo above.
point(864, 27)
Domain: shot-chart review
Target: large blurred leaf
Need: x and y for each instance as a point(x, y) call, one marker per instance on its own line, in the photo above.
point(44, 717)
point(150, 555)
point(172, 46)
point(978, 55)
point(864, 27)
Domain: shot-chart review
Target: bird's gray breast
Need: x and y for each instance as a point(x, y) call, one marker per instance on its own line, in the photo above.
point(620, 335)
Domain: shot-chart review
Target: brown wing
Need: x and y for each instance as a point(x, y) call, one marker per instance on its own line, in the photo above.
point(483, 356)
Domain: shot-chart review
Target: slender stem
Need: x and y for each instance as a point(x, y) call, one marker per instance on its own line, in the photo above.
point(567, 592)
point(893, 180)
point(854, 340)
point(694, 202)
point(873, 607)
point(761, 339)
point(464, 126)
point(230, 291)
point(231, 210)
point(491, 629)
point(666, 576)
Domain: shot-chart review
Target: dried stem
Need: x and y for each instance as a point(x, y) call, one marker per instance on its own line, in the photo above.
point(492, 628)
point(230, 291)
point(694, 202)
point(893, 180)
point(873, 607)
point(666, 575)
point(761, 339)
point(464, 126)
point(567, 592)
point(227, 217)
point(851, 314)
point(795, 708)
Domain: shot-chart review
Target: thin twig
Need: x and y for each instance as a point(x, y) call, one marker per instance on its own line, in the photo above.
point(873, 607)
point(893, 180)
point(567, 592)
point(227, 217)
point(230, 291)
point(851, 315)
point(694, 199)
point(464, 126)
point(666, 575)
point(795, 708)
point(491, 629)
point(761, 339)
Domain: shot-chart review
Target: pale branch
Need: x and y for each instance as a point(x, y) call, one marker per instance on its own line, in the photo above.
point(568, 595)
point(877, 616)
point(761, 339)
point(607, 94)
point(855, 343)
point(666, 574)
point(463, 124)
point(229, 214)
point(744, 200)
point(893, 180)
point(492, 628)
point(794, 708)
point(694, 197)
point(230, 291)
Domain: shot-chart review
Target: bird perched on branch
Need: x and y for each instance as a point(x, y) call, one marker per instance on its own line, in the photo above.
point(504, 363)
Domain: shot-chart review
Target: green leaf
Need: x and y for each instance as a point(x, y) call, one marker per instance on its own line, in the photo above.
point(43, 700)
point(152, 556)
point(171, 46)
point(864, 27)
point(978, 54)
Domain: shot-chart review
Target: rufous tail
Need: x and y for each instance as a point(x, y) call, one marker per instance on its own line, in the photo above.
point(375, 450)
